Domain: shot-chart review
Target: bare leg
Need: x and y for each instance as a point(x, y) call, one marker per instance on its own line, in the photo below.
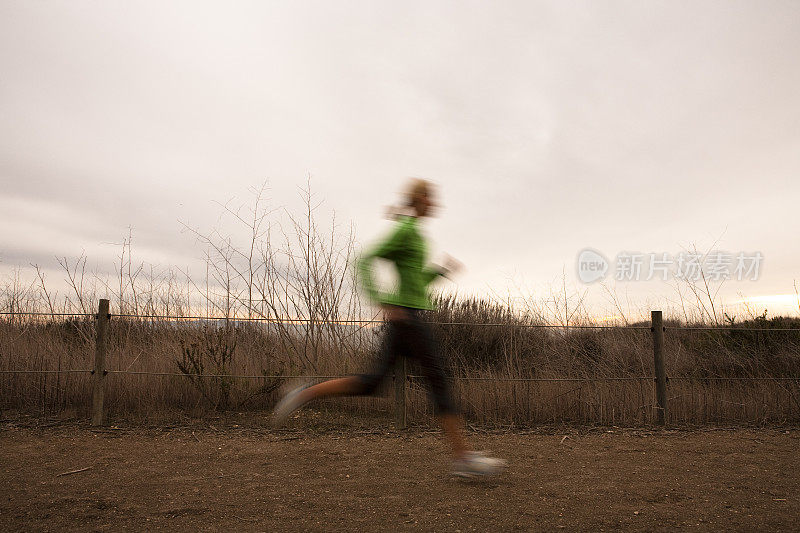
point(451, 423)
point(300, 396)
point(453, 430)
point(334, 387)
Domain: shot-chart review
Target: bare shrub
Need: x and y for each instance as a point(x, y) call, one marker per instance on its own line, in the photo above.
point(282, 301)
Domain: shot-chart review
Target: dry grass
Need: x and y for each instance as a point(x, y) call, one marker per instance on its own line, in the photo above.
point(305, 273)
point(502, 371)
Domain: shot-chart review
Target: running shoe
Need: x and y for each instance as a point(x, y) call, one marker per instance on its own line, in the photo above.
point(288, 405)
point(475, 464)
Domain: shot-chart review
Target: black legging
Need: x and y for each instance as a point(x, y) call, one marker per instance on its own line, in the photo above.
point(412, 338)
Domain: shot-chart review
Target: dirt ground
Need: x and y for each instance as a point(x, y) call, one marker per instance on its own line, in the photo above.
point(253, 479)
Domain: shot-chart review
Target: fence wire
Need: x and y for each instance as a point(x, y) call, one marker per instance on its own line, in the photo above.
point(377, 321)
point(67, 371)
point(409, 376)
point(315, 321)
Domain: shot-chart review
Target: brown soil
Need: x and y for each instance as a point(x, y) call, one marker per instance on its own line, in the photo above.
point(234, 478)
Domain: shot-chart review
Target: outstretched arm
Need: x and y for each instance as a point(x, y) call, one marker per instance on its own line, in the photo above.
point(451, 265)
point(430, 273)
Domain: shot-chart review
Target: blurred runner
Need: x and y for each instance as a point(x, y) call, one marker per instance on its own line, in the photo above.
point(408, 333)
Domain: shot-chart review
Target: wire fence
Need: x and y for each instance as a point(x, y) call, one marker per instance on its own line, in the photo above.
point(99, 373)
point(409, 376)
point(322, 322)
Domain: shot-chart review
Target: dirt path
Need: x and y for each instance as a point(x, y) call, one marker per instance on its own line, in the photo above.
point(262, 481)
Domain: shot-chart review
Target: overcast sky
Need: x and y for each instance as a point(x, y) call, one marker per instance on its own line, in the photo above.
point(550, 126)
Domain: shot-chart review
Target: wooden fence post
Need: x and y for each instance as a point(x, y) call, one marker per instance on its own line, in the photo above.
point(400, 379)
point(657, 327)
point(99, 372)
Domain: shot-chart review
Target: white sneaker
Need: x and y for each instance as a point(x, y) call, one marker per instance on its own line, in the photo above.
point(288, 405)
point(476, 464)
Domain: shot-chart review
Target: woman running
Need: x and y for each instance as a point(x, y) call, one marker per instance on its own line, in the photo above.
point(408, 334)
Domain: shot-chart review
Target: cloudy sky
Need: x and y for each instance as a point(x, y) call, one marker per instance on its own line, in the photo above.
point(550, 126)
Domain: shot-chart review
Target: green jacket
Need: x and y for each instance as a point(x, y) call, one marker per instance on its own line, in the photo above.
point(406, 248)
